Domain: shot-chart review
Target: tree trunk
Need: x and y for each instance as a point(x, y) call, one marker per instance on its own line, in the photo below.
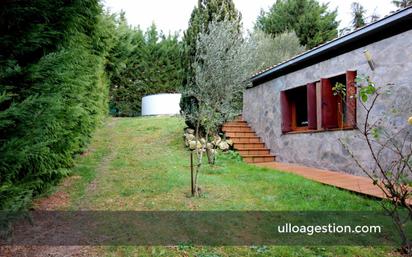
point(209, 153)
point(191, 174)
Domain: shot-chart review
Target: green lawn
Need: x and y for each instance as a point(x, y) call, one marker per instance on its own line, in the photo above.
point(142, 164)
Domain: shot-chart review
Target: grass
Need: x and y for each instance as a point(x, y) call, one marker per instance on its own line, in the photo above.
point(142, 164)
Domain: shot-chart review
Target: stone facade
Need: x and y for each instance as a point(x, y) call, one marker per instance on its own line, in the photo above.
point(261, 106)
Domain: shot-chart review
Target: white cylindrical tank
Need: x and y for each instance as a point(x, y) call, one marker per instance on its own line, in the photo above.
point(161, 104)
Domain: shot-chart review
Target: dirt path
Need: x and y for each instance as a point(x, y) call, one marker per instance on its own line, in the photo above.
point(102, 168)
point(140, 164)
point(60, 200)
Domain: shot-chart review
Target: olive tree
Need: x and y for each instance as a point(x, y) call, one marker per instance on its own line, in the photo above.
point(265, 50)
point(223, 63)
point(387, 136)
point(220, 68)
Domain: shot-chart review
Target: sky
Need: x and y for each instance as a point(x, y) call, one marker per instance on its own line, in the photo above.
point(171, 16)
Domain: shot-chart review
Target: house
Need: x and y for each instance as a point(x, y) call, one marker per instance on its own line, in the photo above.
point(292, 108)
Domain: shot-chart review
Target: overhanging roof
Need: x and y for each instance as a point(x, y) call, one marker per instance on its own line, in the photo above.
point(391, 25)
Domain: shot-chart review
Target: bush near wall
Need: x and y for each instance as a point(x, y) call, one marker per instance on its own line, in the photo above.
point(53, 91)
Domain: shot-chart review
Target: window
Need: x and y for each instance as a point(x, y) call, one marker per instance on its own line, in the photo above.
point(317, 107)
point(297, 102)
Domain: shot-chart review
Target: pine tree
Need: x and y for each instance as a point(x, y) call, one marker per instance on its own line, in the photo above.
point(142, 63)
point(358, 15)
point(402, 3)
point(311, 21)
point(122, 67)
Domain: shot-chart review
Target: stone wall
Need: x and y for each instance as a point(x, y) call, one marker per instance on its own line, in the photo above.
point(261, 107)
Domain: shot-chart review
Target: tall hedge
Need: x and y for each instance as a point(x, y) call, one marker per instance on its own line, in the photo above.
point(142, 63)
point(53, 91)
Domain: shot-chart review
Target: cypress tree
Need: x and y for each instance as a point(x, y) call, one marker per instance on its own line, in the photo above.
point(311, 21)
point(53, 91)
point(358, 15)
point(402, 3)
point(202, 15)
point(142, 63)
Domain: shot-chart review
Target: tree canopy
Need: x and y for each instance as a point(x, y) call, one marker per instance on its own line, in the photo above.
point(311, 21)
point(141, 63)
point(202, 15)
point(358, 15)
point(266, 50)
point(223, 63)
point(53, 91)
point(402, 3)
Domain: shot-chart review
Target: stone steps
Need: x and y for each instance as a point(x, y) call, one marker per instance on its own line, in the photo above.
point(250, 145)
point(246, 142)
point(239, 134)
point(253, 151)
point(258, 158)
point(236, 123)
point(249, 140)
point(237, 129)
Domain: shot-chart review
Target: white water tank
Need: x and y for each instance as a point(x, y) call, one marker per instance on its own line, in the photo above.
point(161, 104)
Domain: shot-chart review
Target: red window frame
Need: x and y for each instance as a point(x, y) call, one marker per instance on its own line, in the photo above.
point(325, 110)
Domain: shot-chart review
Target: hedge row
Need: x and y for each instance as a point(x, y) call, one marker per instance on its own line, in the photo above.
point(142, 63)
point(53, 91)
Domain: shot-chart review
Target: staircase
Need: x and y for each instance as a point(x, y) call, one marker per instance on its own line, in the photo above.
point(246, 142)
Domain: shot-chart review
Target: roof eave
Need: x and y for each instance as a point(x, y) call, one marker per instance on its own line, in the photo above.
point(336, 44)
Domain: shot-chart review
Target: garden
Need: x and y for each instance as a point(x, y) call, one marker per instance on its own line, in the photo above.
point(141, 164)
point(72, 139)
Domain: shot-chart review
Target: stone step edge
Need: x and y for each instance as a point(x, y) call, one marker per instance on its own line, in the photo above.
point(257, 156)
point(242, 136)
point(252, 149)
point(241, 125)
